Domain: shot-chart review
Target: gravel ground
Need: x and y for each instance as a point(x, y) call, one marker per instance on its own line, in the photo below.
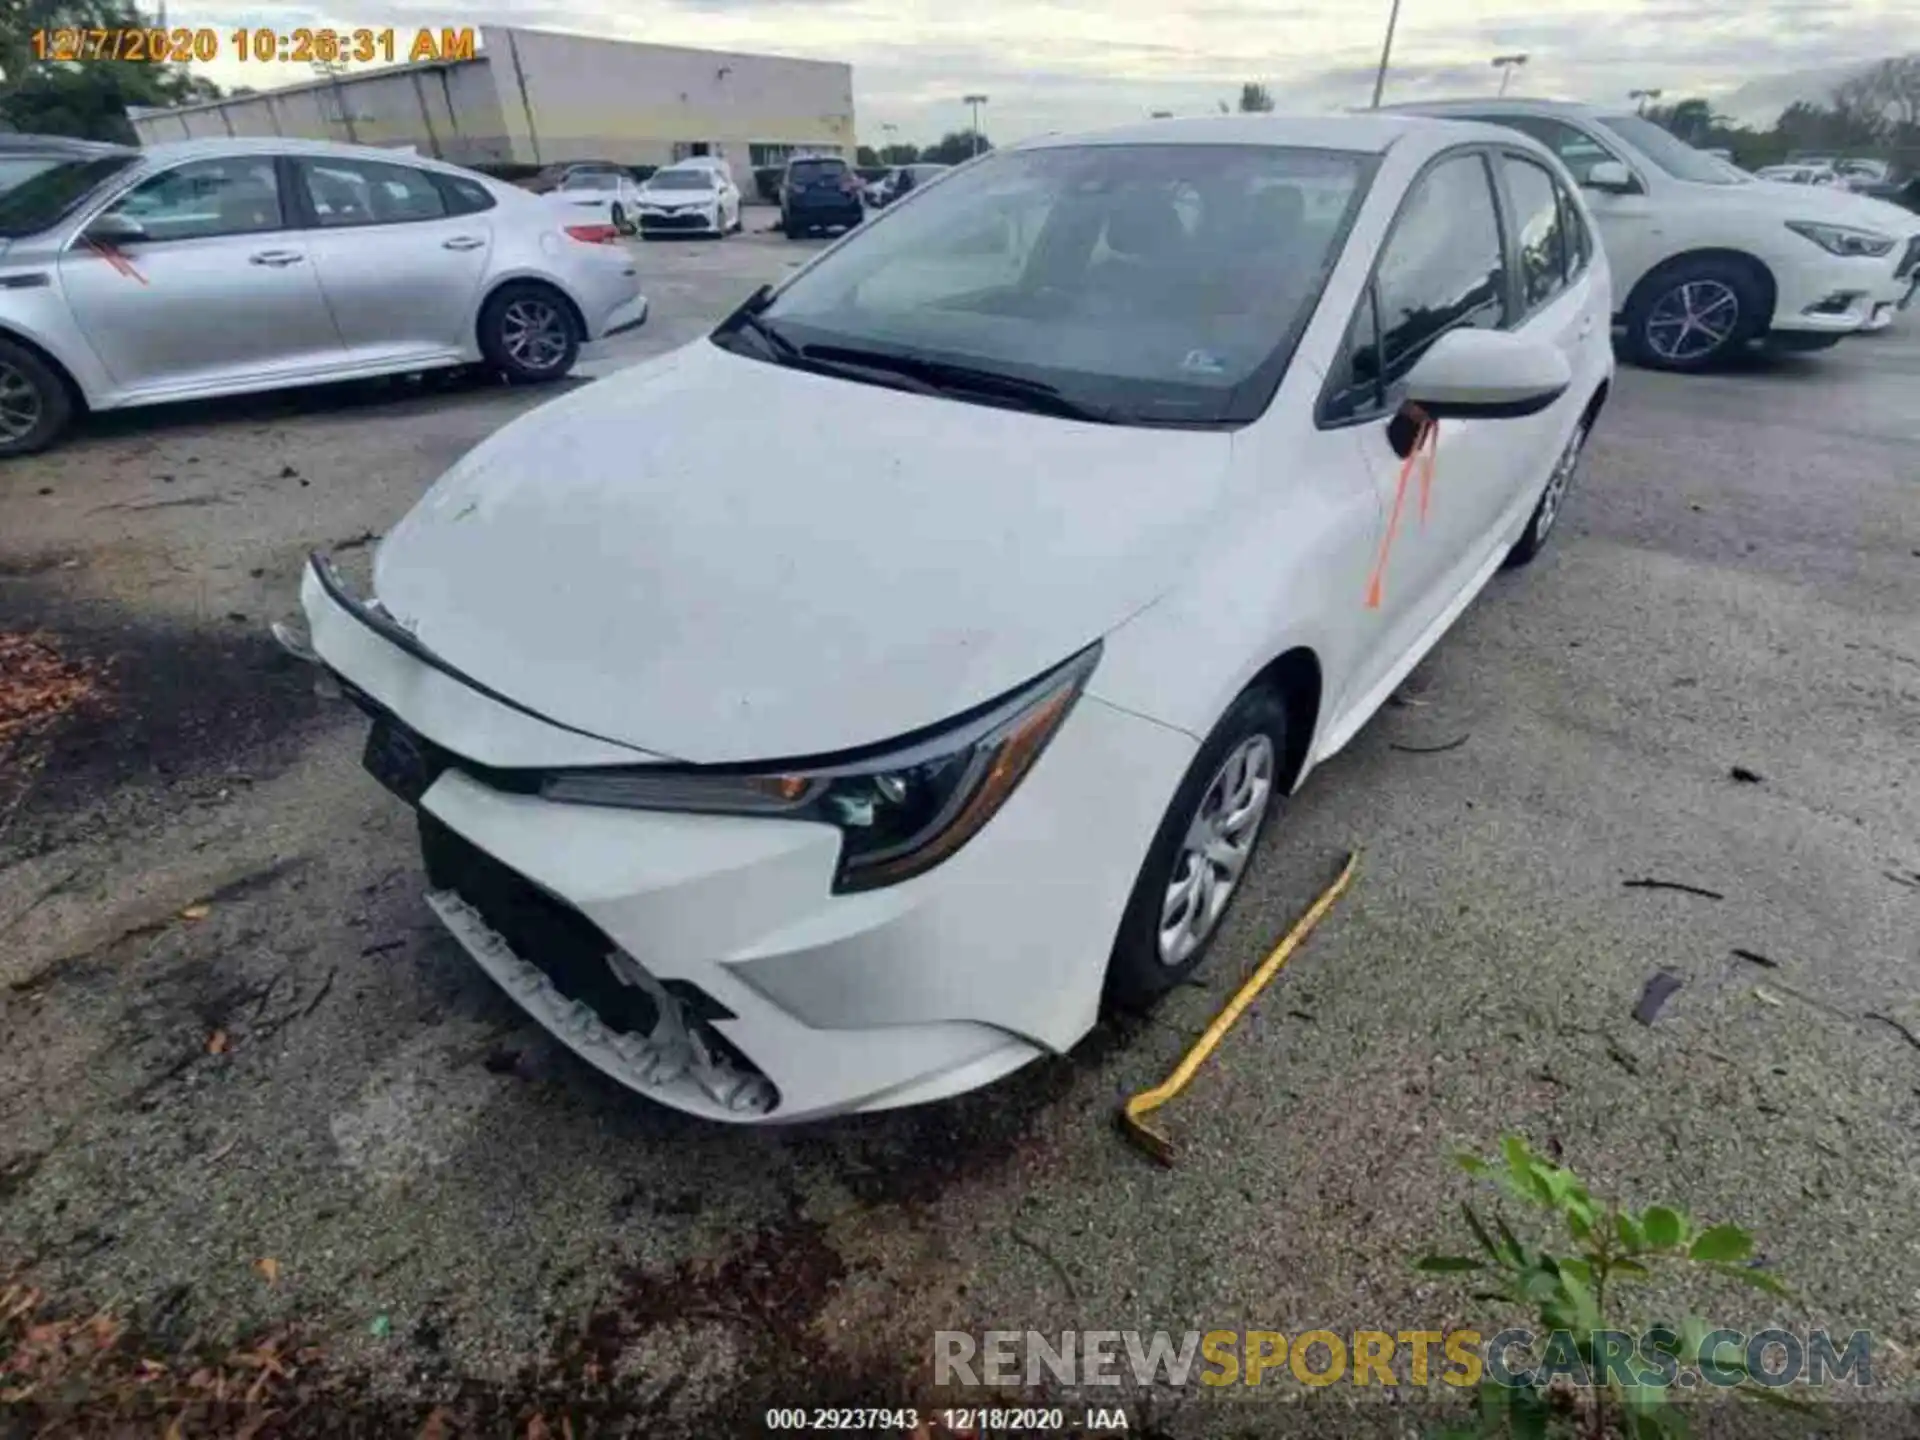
point(305, 1072)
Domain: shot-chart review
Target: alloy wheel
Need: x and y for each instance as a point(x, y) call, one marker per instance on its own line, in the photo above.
point(534, 333)
point(1692, 321)
point(20, 404)
point(1218, 844)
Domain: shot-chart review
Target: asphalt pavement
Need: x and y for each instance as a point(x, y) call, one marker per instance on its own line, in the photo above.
point(231, 1033)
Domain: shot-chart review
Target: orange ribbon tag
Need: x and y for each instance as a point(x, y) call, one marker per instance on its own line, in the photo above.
point(1425, 448)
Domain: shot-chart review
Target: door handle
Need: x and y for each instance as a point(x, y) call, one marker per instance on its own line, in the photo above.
point(275, 258)
point(462, 242)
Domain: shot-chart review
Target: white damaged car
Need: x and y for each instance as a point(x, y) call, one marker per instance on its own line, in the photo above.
point(847, 759)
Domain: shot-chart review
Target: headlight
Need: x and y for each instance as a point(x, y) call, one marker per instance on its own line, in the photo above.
point(901, 809)
point(1842, 239)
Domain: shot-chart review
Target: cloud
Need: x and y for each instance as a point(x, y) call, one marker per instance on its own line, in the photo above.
point(1077, 64)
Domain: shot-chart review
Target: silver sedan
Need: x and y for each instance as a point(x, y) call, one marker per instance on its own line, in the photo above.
point(130, 277)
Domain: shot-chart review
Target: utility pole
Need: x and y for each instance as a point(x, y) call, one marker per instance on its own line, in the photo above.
point(1506, 65)
point(333, 70)
point(1641, 97)
point(1386, 50)
point(976, 101)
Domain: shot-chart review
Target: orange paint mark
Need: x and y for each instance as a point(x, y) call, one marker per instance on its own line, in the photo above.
point(1425, 449)
point(117, 259)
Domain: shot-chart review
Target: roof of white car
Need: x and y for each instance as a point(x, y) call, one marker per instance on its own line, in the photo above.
point(169, 152)
point(1371, 133)
point(1507, 104)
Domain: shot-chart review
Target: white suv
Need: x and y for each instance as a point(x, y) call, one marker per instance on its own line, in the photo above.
point(1705, 258)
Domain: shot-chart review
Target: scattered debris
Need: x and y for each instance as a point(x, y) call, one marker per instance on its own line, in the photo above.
point(1660, 985)
point(1908, 878)
point(1066, 1278)
point(1650, 883)
point(1906, 1034)
point(355, 542)
point(196, 912)
point(1767, 997)
point(1622, 1058)
point(382, 948)
point(1754, 957)
point(37, 687)
point(381, 1327)
point(269, 1269)
point(1746, 776)
point(287, 472)
point(1454, 744)
point(217, 1043)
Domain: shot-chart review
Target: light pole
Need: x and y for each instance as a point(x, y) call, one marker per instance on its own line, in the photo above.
point(1380, 80)
point(976, 101)
point(1506, 65)
point(1640, 99)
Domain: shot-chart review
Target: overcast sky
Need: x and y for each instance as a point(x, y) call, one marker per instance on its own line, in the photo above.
point(1072, 64)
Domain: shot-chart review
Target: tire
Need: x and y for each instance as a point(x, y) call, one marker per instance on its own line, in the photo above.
point(794, 230)
point(35, 405)
point(528, 333)
point(1658, 337)
point(1552, 502)
point(1146, 964)
point(618, 214)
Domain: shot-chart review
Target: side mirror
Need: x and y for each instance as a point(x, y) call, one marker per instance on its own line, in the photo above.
point(1609, 175)
point(115, 231)
point(1487, 375)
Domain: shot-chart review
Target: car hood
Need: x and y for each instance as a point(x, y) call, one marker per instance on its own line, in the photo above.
point(1831, 204)
point(716, 559)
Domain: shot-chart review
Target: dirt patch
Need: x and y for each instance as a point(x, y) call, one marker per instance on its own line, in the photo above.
point(103, 706)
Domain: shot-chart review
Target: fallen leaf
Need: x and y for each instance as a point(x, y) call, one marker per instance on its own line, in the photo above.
point(196, 912)
point(269, 1269)
point(217, 1043)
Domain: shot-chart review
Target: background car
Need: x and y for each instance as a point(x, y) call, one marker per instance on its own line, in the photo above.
point(693, 197)
point(1704, 260)
point(1068, 578)
point(1797, 175)
point(553, 176)
point(22, 156)
point(590, 196)
point(214, 267)
point(819, 192)
point(900, 180)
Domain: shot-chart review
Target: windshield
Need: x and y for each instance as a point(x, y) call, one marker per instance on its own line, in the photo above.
point(47, 196)
point(803, 171)
point(682, 180)
point(1671, 154)
point(590, 180)
point(15, 168)
point(1154, 284)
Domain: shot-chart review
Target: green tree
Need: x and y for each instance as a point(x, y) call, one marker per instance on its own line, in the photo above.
point(90, 98)
point(898, 154)
point(1255, 99)
point(954, 147)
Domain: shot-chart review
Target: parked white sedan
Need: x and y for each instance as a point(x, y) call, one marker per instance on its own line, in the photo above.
point(215, 267)
point(845, 759)
point(599, 196)
point(694, 197)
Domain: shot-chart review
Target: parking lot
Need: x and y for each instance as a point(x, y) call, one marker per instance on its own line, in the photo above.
point(246, 1083)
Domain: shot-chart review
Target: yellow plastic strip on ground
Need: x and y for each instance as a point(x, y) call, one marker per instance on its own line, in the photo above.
point(1147, 1101)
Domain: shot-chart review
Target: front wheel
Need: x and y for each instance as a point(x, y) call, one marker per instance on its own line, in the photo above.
point(1553, 498)
point(528, 333)
point(1694, 315)
point(619, 217)
point(1200, 853)
point(35, 408)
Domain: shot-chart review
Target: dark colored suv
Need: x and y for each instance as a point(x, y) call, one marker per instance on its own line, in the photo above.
point(817, 192)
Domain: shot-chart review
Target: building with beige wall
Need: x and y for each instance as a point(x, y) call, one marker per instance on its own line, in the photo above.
point(536, 96)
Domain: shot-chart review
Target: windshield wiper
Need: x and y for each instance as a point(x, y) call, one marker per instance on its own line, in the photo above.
point(784, 350)
point(949, 378)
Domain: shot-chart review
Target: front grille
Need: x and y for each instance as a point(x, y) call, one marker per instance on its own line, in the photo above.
point(673, 222)
point(569, 949)
point(1910, 262)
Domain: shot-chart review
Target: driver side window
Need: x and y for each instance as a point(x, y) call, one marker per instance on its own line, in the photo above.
point(1574, 147)
point(235, 195)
